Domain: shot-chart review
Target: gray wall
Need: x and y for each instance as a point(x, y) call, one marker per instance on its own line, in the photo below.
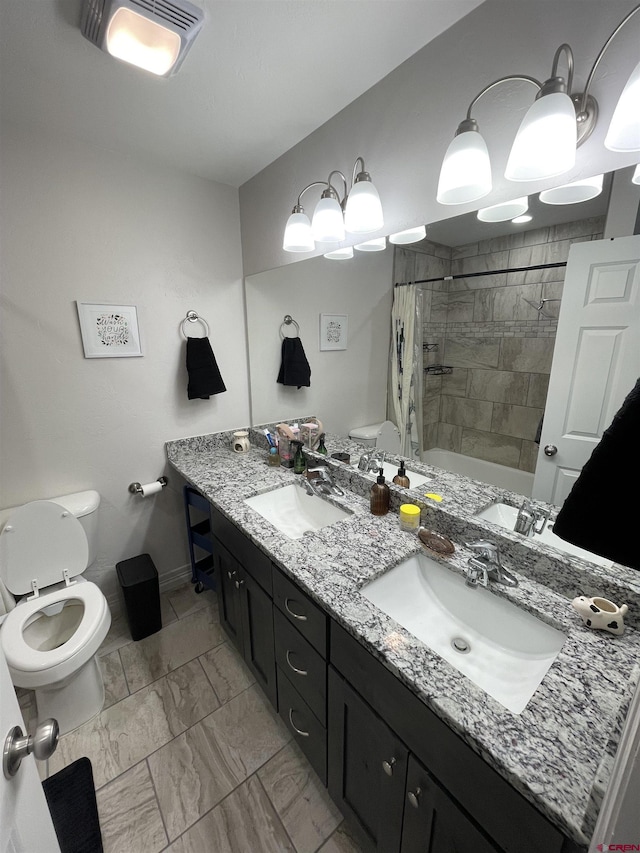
point(403, 124)
point(498, 345)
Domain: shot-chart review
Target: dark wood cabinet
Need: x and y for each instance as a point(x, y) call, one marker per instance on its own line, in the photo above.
point(367, 767)
point(246, 614)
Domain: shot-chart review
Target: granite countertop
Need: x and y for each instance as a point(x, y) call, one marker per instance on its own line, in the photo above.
point(559, 751)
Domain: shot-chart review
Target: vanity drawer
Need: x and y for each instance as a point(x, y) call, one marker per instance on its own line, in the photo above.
point(301, 611)
point(242, 548)
point(310, 736)
point(304, 667)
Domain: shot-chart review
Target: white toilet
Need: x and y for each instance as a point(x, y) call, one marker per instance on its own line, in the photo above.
point(51, 638)
point(383, 435)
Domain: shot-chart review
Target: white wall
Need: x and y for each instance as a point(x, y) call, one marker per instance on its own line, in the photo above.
point(84, 224)
point(403, 124)
point(348, 387)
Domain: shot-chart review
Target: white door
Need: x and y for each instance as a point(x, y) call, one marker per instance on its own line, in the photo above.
point(25, 822)
point(596, 360)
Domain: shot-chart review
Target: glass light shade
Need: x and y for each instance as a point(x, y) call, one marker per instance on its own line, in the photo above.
point(378, 244)
point(141, 42)
point(327, 224)
point(574, 192)
point(363, 213)
point(636, 175)
point(624, 130)
point(466, 170)
point(545, 144)
point(297, 234)
point(340, 254)
point(520, 220)
point(505, 210)
point(410, 235)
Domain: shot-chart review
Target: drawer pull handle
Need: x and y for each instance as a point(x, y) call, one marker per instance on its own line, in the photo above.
point(230, 575)
point(295, 668)
point(239, 584)
point(300, 732)
point(387, 766)
point(414, 797)
point(289, 610)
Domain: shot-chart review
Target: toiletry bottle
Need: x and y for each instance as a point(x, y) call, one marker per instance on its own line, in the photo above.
point(298, 458)
point(274, 456)
point(401, 478)
point(379, 502)
point(321, 448)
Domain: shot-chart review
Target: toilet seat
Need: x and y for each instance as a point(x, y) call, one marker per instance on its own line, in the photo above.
point(84, 642)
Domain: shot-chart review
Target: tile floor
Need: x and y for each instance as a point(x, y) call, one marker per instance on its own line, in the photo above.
point(188, 756)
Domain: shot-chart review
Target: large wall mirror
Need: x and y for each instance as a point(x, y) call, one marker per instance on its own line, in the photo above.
point(489, 299)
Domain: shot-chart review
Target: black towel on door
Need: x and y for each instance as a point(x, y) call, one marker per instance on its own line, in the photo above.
point(600, 513)
point(204, 375)
point(294, 369)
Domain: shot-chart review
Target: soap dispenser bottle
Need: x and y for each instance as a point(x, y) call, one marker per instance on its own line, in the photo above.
point(379, 502)
point(401, 478)
point(321, 448)
point(298, 458)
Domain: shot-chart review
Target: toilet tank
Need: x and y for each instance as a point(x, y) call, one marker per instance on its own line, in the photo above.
point(84, 505)
point(366, 435)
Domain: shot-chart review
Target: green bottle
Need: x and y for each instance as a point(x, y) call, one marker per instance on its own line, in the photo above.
point(298, 458)
point(321, 448)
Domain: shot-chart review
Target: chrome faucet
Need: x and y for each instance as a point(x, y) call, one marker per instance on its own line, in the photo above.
point(320, 482)
point(487, 565)
point(371, 461)
point(530, 520)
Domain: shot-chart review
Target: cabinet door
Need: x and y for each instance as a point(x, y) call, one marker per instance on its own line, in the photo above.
point(227, 572)
point(434, 823)
point(367, 767)
point(257, 630)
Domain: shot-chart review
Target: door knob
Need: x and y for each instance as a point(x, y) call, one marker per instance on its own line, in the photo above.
point(550, 450)
point(42, 743)
point(387, 766)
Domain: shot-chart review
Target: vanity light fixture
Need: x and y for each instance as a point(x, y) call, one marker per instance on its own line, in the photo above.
point(520, 220)
point(504, 211)
point(340, 254)
point(409, 235)
point(545, 146)
point(575, 192)
point(635, 179)
point(378, 244)
point(359, 212)
point(152, 35)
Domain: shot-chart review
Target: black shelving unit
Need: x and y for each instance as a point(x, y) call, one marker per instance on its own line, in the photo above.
point(197, 512)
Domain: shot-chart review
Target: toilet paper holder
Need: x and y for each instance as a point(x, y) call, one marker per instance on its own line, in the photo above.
point(138, 488)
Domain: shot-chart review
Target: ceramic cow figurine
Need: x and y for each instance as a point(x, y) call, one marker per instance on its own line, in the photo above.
point(601, 613)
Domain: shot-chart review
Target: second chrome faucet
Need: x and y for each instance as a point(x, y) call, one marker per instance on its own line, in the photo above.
point(486, 565)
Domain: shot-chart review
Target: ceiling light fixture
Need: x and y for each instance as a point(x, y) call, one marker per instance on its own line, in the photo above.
point(520, 220)
point(378, 244)
point(340, 254)
point(409, 235)
point(359, 212)
point(151, 34)
point(504, 211)
point(545, 146)
point(575, 192)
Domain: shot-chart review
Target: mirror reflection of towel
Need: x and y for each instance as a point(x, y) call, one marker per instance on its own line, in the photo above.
point(204, 375)
point(294, 369)
point(600, 513)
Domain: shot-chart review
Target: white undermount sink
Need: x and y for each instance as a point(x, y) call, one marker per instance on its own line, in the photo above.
point(504, 650)
point(505, 516)
point(390, 470)
point(293, 512)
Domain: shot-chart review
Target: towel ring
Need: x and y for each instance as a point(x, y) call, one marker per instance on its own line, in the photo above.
point(192, 317)
point(288, 320)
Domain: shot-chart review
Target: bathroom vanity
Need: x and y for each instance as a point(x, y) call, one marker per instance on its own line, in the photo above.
point(413, 752)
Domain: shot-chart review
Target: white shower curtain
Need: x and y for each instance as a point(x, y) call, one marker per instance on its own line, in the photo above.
point(405, 356)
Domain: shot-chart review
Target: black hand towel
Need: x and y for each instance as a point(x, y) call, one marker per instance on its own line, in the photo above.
point(294, 369)
point(599, 513)
point(204, 375)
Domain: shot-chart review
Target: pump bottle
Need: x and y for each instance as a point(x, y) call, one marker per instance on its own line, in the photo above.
point(379, 501)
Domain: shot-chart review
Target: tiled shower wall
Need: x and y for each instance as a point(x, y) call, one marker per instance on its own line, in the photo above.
point(486, 329)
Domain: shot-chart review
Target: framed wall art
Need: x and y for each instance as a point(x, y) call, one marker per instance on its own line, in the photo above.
point(333, 331)
point(109, 331)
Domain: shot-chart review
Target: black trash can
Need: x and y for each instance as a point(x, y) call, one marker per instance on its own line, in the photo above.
point(139, 581)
